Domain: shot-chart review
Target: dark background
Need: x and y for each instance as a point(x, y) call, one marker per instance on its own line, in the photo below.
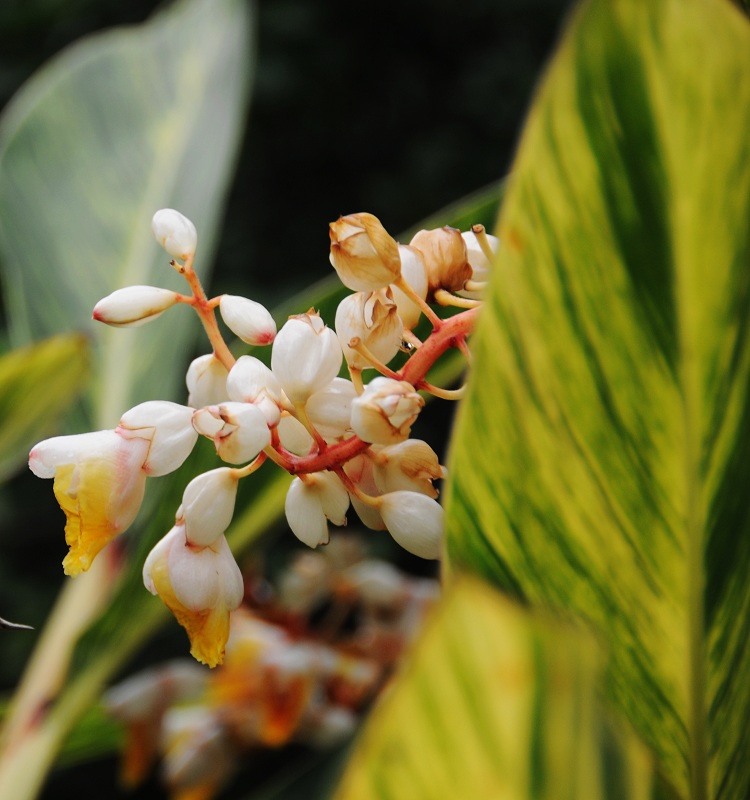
point(396, 108)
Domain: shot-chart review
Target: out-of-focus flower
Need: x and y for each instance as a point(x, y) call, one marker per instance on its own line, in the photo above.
point(134, 306)
point(247, 319)
point(371, 317)
point(444, 253)
point(200, 586)
point(312, 501)
point(175, 233)
point(206, 381)
point(385, 411)
point(363, 253)
point(306, 356)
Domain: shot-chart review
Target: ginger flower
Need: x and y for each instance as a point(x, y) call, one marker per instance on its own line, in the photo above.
point(200, 586)
point(363, 253)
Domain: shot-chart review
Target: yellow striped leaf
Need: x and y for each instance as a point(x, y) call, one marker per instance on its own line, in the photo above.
point(601, 459)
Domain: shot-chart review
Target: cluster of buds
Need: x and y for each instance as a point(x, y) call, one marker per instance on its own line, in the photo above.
point(345, 441)
point(304, 660)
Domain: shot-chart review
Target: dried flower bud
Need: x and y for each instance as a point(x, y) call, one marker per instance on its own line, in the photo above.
point(330, 409)
point(247, 319)
point(134, 306)
point(363, 254)
point(415, 521)
point(175, 233)
point(306, 356)
point(385, 411)
point(444, 253)
point(208, 506)
point(239, 430)
point(169, 428)
point(371, 317)
point(206, 381)
point(414, 272)
point(310, 503)
point(411, 465)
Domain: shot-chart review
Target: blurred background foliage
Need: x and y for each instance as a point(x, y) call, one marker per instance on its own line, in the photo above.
point(398, 111)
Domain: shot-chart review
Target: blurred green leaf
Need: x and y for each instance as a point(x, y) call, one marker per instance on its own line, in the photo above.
point(495, 703)
point(611, 390)
point(116, 127)
point(38, 384)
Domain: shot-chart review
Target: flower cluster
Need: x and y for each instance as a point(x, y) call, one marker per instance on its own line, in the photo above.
point(304, 660)
point(345, 441)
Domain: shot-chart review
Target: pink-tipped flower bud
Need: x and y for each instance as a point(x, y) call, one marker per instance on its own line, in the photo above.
point(411, 465)
point(134, 306)
point(415, 521)
point(444, 253)
point(306, 356)
point(169, 428)
point(175, 233)
point(330, 409)
point(371, 317)
point(247, 319)
point(363, 253)
point(385, 411)
point(414, 272)
point(239, 430)
point(208, 506)
point(311, 502)
point(206, 381)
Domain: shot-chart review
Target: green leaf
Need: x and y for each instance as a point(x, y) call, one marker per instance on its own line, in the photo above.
point(113, 129)
point(37, 384)
point(611, 390)
point(495, 703)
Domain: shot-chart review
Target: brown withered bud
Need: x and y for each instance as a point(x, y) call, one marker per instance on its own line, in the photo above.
point(444, 252)
point(363, 253)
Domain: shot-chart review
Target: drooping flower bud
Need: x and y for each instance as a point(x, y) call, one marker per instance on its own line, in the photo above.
point(306, 356)
point(415, 521)
point(250, 381)
point(311, 502)
point(414, 272)
point(206, 381)
point(247, 319)
point(208, 506)
point(411, 465)
point(239, 430)
point(134, 306)
point(371, 317)
point(444, 253)
point(169, 428)
point(294, 435)
point(175, 233)
point(363, 254)
point(385, 411)
point(330, 409)
point(480, 265)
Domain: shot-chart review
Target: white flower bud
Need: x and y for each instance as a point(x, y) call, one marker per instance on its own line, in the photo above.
point(385, 411)
point(415, 521)
point(311, 502)
point(247, 319)
point(168, 426)
point(444, 253)
point(175, 233)
point(242, 434)
point(371, 317)
point(208, 506)
point(363, 254)
point(206, 381)
point(330, 409)
point(414, 272)
point(294, 436)
point(360, 471)
point(251, 381)
point(306, 356)
point(134, 306)
point(411, 465)
point(480, 265)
